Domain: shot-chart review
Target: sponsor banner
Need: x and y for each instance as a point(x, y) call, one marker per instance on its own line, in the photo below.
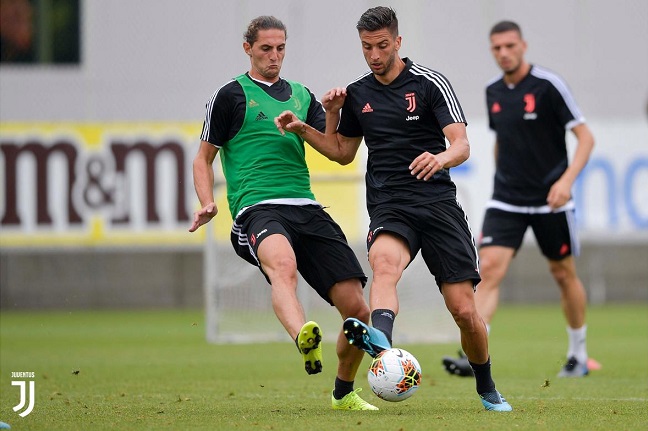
point(114, 184)
point(123, 185)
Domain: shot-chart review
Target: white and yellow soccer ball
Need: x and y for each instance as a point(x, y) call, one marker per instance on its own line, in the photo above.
point(394, 375)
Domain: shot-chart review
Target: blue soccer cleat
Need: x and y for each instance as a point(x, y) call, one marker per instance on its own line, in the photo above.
point(364, 337)
point(494, 401)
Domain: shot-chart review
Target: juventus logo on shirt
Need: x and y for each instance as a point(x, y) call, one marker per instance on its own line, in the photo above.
point(529, 107)
point(411, 100)
point(297, 102)
point(529, 102)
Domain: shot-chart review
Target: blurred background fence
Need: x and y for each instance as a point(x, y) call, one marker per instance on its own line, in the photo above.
point(101, 111)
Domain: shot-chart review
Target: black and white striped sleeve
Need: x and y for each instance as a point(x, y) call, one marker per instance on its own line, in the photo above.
point(316, 116)
point(443, 99)
point(562, 99)
point(218, 116)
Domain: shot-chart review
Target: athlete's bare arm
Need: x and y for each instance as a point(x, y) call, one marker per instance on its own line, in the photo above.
point(203, 175)
point(427, 164)
point(331, 144)
point(560, 191)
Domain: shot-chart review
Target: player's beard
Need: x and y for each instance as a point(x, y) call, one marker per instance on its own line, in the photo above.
point(389, 65)
point(511, 67)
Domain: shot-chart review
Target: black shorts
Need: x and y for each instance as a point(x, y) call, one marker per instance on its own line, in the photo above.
point(555, 232)
point(440, 230)
point(323, 254)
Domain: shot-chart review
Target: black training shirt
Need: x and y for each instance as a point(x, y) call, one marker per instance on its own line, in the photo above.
point(399, 121)
point(530, 120)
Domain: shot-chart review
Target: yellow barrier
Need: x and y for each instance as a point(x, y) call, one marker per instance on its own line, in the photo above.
point(122, 184)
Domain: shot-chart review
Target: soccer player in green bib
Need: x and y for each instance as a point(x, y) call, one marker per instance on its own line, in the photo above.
point(278, 225)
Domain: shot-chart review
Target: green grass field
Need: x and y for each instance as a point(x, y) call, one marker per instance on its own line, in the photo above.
point(153, 370)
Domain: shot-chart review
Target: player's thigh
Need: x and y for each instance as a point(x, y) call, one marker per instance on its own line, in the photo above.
point(276, 256)
point(494, 261)
point(389, 252)
point(391, 239)
point(252, 228)
point(556, 234)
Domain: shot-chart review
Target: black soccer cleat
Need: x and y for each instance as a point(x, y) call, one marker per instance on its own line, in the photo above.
point(458, 366)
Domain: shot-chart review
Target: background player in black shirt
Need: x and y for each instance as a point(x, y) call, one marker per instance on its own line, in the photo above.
point(405, 112)
point(529, 108)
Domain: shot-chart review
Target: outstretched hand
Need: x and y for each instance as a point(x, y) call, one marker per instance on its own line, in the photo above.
point(287, 121)
point(334, 99)
point(203, 215)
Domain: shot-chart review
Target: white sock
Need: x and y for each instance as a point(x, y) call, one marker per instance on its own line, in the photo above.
point(577, 345)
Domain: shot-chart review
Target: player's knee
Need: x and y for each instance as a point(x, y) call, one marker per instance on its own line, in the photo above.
point(562, 272)
point(491, 269)
point(360, 312)
point(348, 298)
point(465, 315)
point(282, 269)
point(356, 307)
point(386, 268)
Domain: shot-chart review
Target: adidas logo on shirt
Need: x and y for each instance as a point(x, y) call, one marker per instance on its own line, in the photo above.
point(367, 108)
point(261, 116)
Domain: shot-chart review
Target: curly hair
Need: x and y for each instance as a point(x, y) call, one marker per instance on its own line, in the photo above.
point(262, 23)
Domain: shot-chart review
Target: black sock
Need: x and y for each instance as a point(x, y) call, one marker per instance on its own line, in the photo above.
point(483, 377)
point(342, 388)
point(383, 319)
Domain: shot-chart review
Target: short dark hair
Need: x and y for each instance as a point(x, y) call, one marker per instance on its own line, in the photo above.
point(264, 22)
point(504, 26)
point(378, 18)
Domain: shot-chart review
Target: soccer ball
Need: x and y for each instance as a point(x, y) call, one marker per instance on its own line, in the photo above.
point(394, 375)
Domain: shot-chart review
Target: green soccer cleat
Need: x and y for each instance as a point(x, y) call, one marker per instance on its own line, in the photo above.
point(351, 401)
point(310, 346)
